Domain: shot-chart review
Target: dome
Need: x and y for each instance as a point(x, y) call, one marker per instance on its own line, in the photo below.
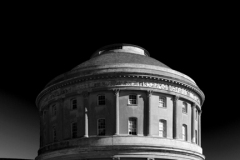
point(120, 53)
point(124, 56)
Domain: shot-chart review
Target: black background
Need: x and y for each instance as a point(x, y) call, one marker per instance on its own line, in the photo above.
point(40, 44)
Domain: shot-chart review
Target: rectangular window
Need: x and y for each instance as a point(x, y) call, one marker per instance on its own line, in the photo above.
point(132, 100)
point(101, 100)
point(184, 107)
point(74, 130)
point(54, 109)
point(132, 126)
point(184, 132)
point(162, 102)
point(74, 104)
point(162, 128)
point(101, 127)
point(54, 134)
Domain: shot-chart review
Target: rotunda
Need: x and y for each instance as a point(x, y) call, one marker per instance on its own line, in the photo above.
point(121, 104)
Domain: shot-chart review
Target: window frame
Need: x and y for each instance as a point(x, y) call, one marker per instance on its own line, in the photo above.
point(72, 104)
point(130, 100)
point(54, 109)
point(99, 129)
point(130, 126)
point(184, 132)
point(99, 101)
point(74, 134)
point(54, 132)
point(164, 102)
point(164, 130)
point(184, 107)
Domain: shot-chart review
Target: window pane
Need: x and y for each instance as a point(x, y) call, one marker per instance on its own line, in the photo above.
point(101, 100)
point(132, 99)
point(54, 134)
point(74, 130)
point(54, 109)
point(74, 104)
point(101, 127)
point(162, 102)
point(132, 126)
point(184, 132)
point(184, 107)
point(162, 128)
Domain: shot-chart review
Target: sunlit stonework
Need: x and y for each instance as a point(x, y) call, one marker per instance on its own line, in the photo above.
point(121, 104)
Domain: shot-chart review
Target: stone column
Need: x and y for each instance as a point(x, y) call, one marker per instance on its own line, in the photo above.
point(193, 122)
point(85, 103)
point(116, 92)
point(199, 128)
point(149, 112)
point(175, 117)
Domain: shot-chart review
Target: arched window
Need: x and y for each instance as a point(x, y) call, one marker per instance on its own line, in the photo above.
point(101, 127)
point(184, 132)
point(132, 126)
point(162, 128)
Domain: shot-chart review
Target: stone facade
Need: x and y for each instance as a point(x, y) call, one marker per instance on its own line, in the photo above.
point(121, 104)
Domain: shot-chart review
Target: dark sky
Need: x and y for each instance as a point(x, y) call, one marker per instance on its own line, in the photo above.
point(38, 47)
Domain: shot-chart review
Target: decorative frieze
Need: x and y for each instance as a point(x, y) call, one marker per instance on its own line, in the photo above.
point(98, 84)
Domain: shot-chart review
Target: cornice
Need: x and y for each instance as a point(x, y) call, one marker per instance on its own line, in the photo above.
point(77, 80)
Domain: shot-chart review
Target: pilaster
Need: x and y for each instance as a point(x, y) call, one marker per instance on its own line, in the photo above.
point(193, 122)
point(149, 95)
point(175, 117)
point(85, 97)
point(116, 93)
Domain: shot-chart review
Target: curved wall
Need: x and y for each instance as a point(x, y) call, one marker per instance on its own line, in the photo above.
point(121, 115)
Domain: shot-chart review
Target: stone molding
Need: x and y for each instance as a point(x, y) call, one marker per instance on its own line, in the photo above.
point(99, 77)
point(119, 83)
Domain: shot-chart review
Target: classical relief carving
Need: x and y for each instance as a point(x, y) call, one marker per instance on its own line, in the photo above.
point(58, 93)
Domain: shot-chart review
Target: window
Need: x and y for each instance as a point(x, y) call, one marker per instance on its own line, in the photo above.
point(162, 102)
point(184, 107)
point(54, 134)
point(74, 104)
point(101, 100)
point(196, 136)
point(162, 128)
point(101, 127)
point(132, 100)
point(184, 132)
point(74, 129)
point(132, 126)
point(54, 109)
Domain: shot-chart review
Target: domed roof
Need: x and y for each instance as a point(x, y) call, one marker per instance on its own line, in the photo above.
point(119, 58)
point(120, 53)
